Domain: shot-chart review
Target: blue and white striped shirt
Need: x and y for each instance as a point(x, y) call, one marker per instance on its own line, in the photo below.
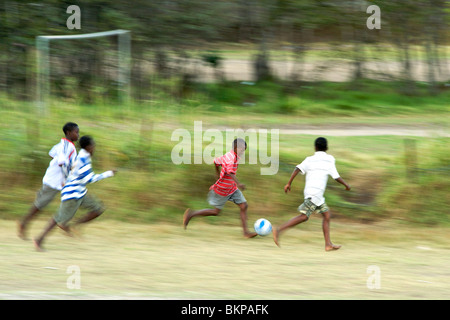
point(81, 175)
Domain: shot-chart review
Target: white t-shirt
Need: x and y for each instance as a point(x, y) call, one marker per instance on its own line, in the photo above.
point(317, 169)
point(63, 155)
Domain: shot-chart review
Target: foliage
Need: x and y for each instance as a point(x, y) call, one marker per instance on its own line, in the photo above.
point(162, 29)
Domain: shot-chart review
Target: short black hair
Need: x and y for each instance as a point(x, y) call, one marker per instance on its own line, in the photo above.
point(86, 141)
point(321, 144)
point(235, 142)
point(69, 126)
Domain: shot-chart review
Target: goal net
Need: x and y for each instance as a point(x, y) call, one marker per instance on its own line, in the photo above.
point(45, 65)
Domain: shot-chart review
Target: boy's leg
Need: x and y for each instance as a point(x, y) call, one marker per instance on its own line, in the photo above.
point(305, 209)
point(329, 246)
point(215, 200)
point(50, 225)
point(44, 196)
point(67, 210)
point(243, 214)
point(238, 198)
point(289, 224)
point(94, 206)
point(38, 241)
point(189, 214)
point(25, 220)
point(88, 217)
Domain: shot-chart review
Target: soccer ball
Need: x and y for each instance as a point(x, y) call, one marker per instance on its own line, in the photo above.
point(263, 227)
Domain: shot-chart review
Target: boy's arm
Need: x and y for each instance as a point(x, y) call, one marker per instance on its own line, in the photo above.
point(239, 185)
point(217, 170)
point(341, 181)
point(228, 170)
point(287, 187)
point(65, 159)
point(101, 176)
point(67, 166)
point(218, 164)
point(87, 175)
point(335, 175)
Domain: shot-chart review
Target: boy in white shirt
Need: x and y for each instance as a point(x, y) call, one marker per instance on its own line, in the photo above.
point(63, 155)
point(317, 169)
point(74, 194)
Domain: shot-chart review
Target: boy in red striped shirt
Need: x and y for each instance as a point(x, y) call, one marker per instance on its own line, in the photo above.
point(226, 188)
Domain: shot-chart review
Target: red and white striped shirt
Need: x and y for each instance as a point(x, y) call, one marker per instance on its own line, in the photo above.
point(226, 185)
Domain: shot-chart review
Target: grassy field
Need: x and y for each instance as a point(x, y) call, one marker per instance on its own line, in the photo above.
point(120, 260)
point(150, 188)
point(392, 219)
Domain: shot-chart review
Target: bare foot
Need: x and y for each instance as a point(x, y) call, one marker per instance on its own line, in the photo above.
point(275, 236)
point(37, 245)
point(67, 230)
point(249, 235)
point(21, 231)
point(332, 247)
point(186, 217)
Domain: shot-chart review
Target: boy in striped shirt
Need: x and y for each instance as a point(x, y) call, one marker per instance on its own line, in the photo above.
point(226, 188)
point(63, 155)
point(74, 193)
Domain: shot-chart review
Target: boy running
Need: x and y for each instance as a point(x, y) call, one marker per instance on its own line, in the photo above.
point(74, 193)
point(226, 188)
point(317, 169)
point(63, 155)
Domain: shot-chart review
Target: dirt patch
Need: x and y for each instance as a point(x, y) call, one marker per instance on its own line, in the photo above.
point(350, 129)
point(365, 186)
point(339, 71)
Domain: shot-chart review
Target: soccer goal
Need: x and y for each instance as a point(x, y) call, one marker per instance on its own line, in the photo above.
point(43, 63)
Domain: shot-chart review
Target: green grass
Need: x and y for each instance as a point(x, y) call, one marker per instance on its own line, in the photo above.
point(149, 187)
point(362, 98)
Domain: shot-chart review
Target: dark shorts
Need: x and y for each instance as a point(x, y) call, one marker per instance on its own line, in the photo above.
point(308, 208)
point(219, 201)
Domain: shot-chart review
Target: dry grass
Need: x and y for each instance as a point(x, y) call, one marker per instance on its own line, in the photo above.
point(160, 261)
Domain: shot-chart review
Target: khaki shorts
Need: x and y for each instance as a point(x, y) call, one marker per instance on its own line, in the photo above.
point(308, 208)
point(44, 196)
point(68, 208)
point(219, 201)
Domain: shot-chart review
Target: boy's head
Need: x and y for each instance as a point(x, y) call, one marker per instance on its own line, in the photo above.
point(71, 131)
point(321, 144)
point(87, 143)
point(239, 146)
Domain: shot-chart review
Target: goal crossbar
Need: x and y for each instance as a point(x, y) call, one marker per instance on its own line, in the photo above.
point(85, 36)
point(43, 62)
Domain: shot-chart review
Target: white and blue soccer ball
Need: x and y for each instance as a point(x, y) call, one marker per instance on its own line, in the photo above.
point(263, 227)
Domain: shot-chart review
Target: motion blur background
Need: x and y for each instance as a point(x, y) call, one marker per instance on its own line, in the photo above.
point(238, 64)
point(309, 68)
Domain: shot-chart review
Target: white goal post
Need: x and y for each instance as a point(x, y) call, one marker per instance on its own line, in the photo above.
point(43, 63)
